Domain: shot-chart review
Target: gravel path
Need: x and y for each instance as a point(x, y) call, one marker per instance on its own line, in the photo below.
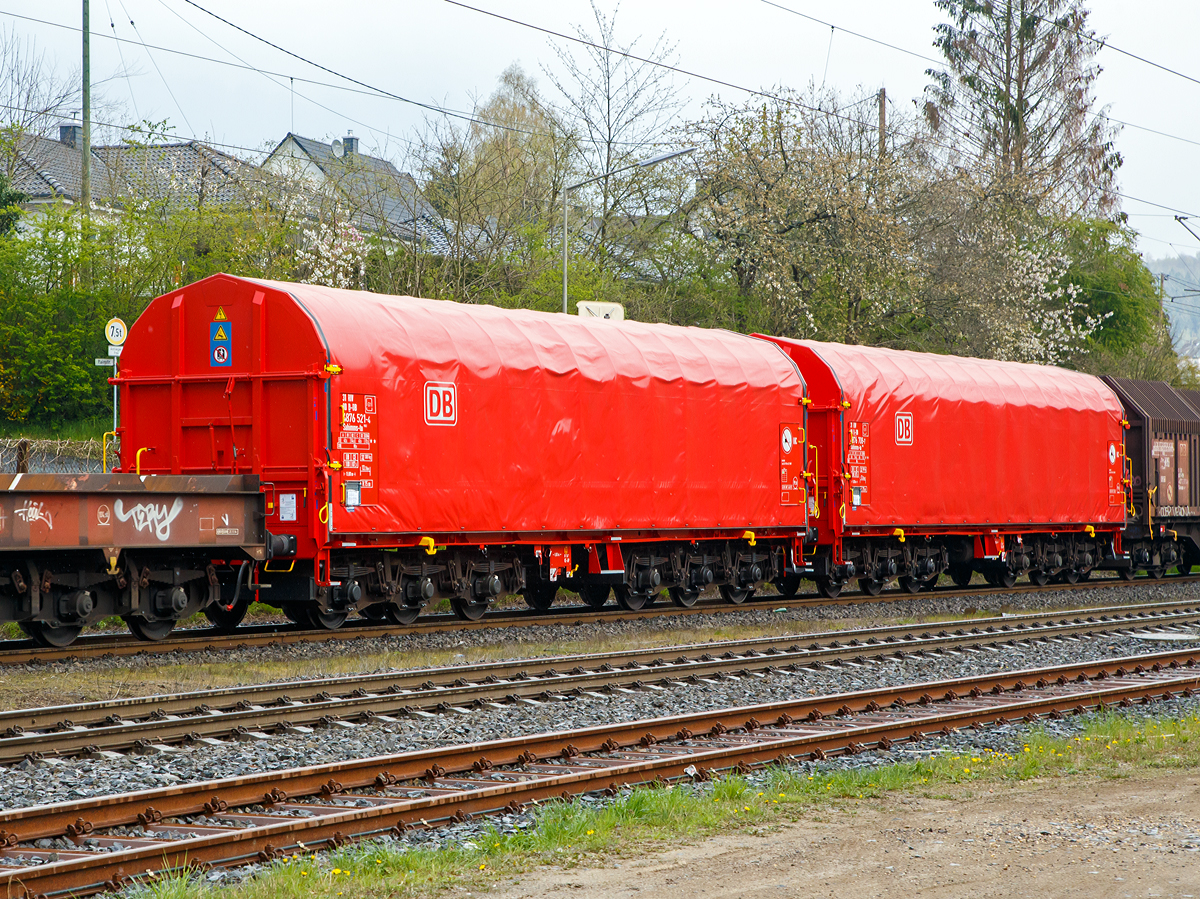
point(29, 783)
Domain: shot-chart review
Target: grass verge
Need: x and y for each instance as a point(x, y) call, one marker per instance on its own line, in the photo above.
point(655, 817)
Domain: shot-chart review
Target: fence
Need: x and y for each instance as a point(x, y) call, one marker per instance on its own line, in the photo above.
point(53, 456)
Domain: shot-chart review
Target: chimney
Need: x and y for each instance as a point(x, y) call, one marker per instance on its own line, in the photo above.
point(349, 143)
point(71, 135)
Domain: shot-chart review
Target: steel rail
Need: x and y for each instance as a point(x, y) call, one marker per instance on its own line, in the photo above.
point(247, 712)
point(262, 816)
point(18, 652)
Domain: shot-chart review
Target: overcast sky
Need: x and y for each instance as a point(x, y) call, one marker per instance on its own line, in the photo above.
point(438, 53)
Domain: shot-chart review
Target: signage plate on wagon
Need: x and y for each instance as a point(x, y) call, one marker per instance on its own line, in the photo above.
point(220, 344)
point(441, 403)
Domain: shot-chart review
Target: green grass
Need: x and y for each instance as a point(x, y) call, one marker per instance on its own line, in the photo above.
point(655, 817)
point(80, 429)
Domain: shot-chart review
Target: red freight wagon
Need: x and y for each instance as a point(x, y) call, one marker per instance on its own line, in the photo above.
point(1024, 461)
point(380, 422)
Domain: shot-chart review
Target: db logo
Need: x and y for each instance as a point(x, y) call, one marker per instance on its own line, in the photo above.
point(904, 429)
point(441, 403)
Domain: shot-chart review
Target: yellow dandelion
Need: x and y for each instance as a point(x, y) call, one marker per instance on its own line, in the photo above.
point(589, 833)
point(337, 870)
point(481, 867)
point(303, 873)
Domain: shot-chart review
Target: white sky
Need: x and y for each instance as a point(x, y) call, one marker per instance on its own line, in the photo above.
point(432, 51)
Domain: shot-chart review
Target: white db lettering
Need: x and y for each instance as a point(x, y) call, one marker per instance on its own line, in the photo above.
point(441, 403)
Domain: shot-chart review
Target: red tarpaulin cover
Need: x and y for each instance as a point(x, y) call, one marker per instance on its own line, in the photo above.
point(468, 418)
point(945, 440)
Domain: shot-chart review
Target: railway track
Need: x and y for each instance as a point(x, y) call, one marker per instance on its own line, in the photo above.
point(18, 652)
point(252, 712)
point(104, 843)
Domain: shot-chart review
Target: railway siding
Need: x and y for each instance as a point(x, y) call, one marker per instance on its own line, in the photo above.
point(258, 817)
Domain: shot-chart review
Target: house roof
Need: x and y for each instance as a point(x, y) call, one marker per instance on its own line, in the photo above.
point(190, 169)
point(382, 198)
point(49, 169)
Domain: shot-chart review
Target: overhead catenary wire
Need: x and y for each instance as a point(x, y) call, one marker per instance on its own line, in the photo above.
point(349, 88)
point(121, 55)
point(269, 76)
point(930, 59)
point(371, 90)
point(154, 63)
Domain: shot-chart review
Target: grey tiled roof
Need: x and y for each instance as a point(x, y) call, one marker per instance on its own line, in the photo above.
point(47, 169)
point(186, 171)
point(190, 172)
point(383, 199)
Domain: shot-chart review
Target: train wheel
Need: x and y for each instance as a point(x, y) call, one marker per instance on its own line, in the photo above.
point(735, 595)
point(595, 595)
point(1005, 579)
point(150, 631)
point(1127, 574)
point(1085, 573)
point(539, 596)
point(911, 584)
point(46, 635)
point(684, 598)
point(1071, 576)
point(401, 614)
point(1156, 572)
point(788, 585)
point(226, 620)
point(870, 586)
point(961, 577)
point(1183, 570)
point(829, 588)
point(376, 612)
point(1039, 578)
point(312, 618)
point(468, 610)
point(632, 601)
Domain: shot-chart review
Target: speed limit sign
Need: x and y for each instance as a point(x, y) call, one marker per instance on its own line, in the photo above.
point(116, 331)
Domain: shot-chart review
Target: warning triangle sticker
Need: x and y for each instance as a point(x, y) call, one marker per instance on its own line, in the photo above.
point(220, 317)
point(220, 335)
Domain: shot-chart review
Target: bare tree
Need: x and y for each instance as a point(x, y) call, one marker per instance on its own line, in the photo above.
point(623, 102)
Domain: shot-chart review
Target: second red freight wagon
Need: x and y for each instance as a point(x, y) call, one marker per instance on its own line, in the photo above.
point(930, 463)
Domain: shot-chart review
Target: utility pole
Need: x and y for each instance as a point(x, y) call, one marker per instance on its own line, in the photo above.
point(85, 174)
point(882, 123)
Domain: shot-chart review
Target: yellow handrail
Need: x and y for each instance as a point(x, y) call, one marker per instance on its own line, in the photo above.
point(137, 458)
point(104, 461)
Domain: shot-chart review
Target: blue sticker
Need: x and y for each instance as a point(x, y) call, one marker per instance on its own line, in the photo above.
point(220, 340)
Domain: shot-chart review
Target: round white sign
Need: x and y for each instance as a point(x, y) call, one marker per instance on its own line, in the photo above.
point(116, 331)
point(787, 440)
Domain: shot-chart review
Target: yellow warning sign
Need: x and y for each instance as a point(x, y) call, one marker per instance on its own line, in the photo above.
point(220, 335)
point(220, 316)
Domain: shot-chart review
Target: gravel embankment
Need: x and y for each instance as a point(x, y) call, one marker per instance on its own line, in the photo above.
point(29, 783)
